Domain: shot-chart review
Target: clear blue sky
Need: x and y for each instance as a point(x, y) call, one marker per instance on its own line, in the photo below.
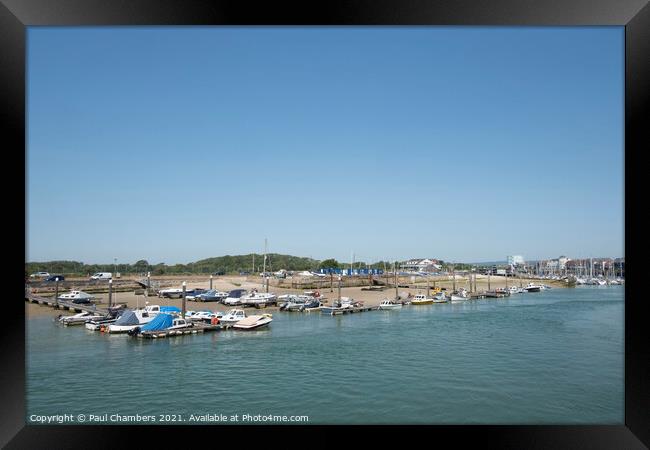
point(174, 144)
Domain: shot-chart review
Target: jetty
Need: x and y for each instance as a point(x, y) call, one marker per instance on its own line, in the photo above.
point(195, 329)
point(64, 304)
point(355, 309)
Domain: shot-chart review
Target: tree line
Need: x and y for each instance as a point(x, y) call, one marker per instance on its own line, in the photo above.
point(228, 264)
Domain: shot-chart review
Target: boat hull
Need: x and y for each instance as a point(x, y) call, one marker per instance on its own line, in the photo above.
point(259, 324)
point(389, 307)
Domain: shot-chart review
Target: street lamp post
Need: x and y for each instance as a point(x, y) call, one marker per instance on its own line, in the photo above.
point(56, 293)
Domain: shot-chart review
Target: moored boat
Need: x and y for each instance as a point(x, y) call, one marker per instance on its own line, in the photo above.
point(76, 297)
point(129, 320)
point(421, 299)
point(460, 295)
point(234, 297)
point(440, 297)
point(388, 304)
point(232, 317)
point(533, 287)
point(258, 299)
point(253, 322)
point(80, 318)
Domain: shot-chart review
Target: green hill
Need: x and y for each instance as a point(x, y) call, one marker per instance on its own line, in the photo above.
point(227, 264)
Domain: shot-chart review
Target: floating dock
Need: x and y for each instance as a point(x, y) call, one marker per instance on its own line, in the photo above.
point(197, 328)
point(356, 309)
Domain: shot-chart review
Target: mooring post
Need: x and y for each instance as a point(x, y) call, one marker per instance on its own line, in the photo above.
point(339, 289)
point(210, 282)
point(183, 309)
point(396, 282)
point(331, 282)
point(454, 280)
point(110, 292)
point(489, 279)
point(266, 281)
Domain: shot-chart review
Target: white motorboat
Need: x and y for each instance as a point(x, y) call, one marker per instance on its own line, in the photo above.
point(235, 297)
point(253, 322)
point(388, 304)
point(232, 317)
point(129, 320)
point(291, 302)
point(97, 324)
point(203, 316)
point(533, 287)
point(80, 318)
point(76, 297)
point(440, 297)
point(179, 324)
point(460, 296)
point(338, 305)
point(256, 298)
point(171, 293)
point(512, 290)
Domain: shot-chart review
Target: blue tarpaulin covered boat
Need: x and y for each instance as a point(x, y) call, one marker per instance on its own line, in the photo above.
point(161, 322)
point(170, 309)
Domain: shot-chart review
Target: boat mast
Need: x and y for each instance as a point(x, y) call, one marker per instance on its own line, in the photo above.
point(395, 272)
point(264, 266)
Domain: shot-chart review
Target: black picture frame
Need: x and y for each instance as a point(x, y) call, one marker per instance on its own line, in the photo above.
point(634, 15)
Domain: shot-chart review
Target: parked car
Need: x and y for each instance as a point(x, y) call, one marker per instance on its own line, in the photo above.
point(219, 272)
point(102, 276)
point(40, 275)
point(54, 278)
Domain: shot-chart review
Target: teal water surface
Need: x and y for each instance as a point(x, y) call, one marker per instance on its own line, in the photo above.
point(553, 357)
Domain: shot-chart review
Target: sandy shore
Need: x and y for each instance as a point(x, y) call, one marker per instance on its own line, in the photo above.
point(227, 283)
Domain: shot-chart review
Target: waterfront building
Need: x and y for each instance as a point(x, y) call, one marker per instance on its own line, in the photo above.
point(516, 260)
point(421, 265)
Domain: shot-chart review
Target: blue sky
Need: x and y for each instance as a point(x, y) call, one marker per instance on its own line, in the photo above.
point(174, 144)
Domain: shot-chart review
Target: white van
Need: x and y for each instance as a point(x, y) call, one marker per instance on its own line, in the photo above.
point(102, 276)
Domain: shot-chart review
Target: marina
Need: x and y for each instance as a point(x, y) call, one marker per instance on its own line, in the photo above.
point(460, 335)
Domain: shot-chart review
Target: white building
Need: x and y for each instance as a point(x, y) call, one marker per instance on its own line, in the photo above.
point(562, 260)
point(421, 265)
point(516, 260)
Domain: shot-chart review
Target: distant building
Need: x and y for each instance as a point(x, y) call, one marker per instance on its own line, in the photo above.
point(421, 265)
point(562, 262)
point(516, 260)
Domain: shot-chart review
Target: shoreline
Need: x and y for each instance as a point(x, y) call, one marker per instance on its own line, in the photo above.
point(133, 299)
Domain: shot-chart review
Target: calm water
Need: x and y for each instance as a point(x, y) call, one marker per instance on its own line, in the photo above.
point(554, 357)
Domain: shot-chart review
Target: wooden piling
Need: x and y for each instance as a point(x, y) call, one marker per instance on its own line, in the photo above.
point(56, 293)
point(184, 299)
